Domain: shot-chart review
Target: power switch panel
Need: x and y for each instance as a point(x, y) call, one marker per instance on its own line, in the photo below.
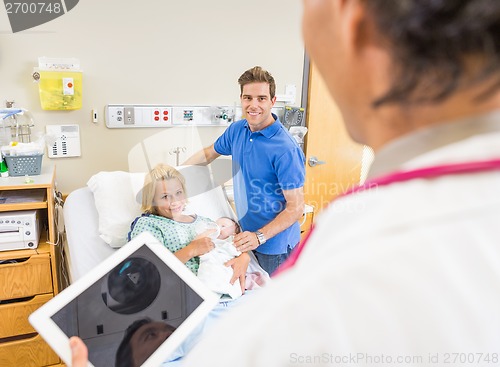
point(66, 141)
point(129, 116)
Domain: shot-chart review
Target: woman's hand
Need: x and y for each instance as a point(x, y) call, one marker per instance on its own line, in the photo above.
point(195, 248)
point(79, 352)
point(240, 266)
point(201, 246)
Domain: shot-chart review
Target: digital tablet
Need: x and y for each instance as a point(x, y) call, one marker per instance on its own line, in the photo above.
point(135, 308)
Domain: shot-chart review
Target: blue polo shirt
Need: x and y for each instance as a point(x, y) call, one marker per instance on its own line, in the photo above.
point(264, 163)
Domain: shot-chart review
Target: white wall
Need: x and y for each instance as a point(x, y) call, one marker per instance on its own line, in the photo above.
point(188, 52)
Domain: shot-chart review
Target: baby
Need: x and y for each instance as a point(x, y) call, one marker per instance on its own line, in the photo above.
point(228, 227)
point(212, 270)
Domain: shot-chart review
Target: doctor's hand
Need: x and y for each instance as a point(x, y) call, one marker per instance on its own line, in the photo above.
point(240, 266)
point(79, 352)
point(245, 241)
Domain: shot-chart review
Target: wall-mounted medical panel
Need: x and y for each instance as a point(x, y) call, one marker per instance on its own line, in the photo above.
point(131, 116)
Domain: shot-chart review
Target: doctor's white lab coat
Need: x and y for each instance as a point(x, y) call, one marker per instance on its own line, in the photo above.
point(406, 274)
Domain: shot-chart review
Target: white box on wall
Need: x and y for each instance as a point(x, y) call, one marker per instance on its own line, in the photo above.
point(63, 141)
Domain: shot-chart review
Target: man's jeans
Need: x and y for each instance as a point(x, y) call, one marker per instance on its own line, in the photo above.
point(271, 262)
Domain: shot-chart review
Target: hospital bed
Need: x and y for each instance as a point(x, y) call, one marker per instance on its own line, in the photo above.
point(97, 220)
point(97, 217)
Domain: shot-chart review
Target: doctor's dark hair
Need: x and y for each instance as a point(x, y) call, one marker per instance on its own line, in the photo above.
point(257, 75)
point(160, 172)
point(438, 46)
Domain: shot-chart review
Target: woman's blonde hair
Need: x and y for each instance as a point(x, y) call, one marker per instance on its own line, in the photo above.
point(161, 172)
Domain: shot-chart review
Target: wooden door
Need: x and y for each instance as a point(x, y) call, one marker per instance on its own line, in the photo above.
point(328, 141)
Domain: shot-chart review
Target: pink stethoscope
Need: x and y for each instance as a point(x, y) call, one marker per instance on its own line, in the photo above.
point(402, 176)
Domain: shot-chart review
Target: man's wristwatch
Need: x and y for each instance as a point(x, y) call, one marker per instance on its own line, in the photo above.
point(260, 237)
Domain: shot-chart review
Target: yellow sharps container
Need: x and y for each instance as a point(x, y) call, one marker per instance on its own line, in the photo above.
point(60, 86)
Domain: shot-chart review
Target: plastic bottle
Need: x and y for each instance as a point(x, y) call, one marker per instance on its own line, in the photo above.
point(4, 171)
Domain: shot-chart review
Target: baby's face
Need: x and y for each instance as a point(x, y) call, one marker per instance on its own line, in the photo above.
point(227, 228)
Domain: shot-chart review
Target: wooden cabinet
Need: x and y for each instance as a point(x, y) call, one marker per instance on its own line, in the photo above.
point(28, 277)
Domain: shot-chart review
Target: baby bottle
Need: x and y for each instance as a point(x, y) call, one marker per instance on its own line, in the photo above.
point(208, 229)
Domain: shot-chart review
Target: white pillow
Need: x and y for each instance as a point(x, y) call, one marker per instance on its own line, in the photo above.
point(117, 198)
point(115, 201)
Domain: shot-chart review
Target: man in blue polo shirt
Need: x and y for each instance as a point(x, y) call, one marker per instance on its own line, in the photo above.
point(268, 173)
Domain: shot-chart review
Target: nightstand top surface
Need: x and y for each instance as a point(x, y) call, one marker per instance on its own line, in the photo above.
point(44, 179)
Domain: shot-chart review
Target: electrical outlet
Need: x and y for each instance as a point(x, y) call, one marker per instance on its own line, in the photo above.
point(114, 115)
point(165, 114)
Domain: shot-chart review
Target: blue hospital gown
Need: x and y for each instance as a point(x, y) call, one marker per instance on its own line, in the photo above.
point(174, 235)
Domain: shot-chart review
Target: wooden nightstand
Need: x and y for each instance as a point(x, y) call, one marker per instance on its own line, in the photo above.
point(28, 277)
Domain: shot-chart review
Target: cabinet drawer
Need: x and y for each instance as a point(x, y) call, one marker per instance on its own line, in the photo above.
point(27, 278)
point(14, 316)
point(27, 352)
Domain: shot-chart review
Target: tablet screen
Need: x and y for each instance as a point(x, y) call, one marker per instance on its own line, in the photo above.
point(136, 305)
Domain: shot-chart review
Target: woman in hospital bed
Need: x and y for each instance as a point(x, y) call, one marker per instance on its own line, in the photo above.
point(192, 238)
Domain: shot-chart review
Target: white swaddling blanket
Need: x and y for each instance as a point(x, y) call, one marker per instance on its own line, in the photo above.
point(212, 271)
point(215, 275)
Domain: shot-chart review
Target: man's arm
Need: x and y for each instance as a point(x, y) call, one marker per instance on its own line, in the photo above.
point(292, 213)
point(202, 157)
point(294, 209)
